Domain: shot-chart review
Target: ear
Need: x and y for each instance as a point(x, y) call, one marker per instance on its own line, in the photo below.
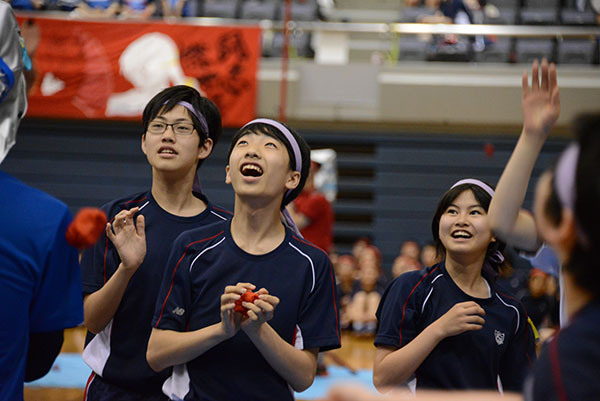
point(293, 180)
point(144, 144)
point(227, 177)
point(566, 232)
point(206, 148)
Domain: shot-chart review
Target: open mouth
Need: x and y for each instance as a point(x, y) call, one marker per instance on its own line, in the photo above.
point(461, 234)
point(251, 170)
point(167, 151)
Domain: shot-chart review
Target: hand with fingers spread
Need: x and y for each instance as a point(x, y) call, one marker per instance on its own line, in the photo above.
point(128, 238)
point(260, 311)
point(462, 317)
point(230, 319)
point(541, 101)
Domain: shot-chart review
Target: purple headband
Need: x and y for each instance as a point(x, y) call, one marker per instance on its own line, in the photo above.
point(297, 155)
point(196, 114)
point(288, 135)
point(474, 181)
point(564, 176)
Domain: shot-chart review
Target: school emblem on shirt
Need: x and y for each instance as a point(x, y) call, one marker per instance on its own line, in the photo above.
point(178, 311)
point(499, 337)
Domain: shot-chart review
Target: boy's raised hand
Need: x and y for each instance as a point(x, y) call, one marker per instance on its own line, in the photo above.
point(128, 238)
point(541, 101)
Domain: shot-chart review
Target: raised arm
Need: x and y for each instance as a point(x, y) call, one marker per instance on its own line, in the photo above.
point(541, 107)
point(130, 241)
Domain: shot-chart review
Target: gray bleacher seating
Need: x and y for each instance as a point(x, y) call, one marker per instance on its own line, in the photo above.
point(307, 10)
point(299, 45)
point(411, 48)
point(220, 8)
point(254, 9)
point(526, 50)
point(576, 12)
point(577, 51)
point(497, 52)
point(413, 14)
point(507, 12)
point(540, 12)
point(462, 50)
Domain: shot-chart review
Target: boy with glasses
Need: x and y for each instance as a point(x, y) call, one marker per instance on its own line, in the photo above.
point(122, 273)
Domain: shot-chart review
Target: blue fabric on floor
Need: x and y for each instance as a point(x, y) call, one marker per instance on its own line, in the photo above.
point(336, 375)
point(69, 371)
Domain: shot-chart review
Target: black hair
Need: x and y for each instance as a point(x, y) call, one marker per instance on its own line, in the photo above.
point(273, 132)
point(168, 98)
point(583, 263)
point(484, 199)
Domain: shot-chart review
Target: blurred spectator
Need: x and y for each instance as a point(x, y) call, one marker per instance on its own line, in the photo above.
point(410, 249)
point(27, 4)
point(347, 285)
point(537, 303)
point(359, 245)
point(429, 255)
point(313, 213)
point(403, 264)
point(98, 8)
point(365, 301)
point(176, 8)
point(137, 9)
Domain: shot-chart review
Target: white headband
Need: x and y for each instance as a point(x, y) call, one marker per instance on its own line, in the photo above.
point(564, 176)
point(477, 182)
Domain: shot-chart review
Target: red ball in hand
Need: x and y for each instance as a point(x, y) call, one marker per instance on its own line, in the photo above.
point(87, 226)
point(248, 296)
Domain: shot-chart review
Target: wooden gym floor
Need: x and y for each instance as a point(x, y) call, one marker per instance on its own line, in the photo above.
point(357, 352)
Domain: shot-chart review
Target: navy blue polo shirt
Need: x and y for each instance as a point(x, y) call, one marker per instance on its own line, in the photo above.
point(203, 262)
point(569, 366)
point(503, 348)
point(118, 353)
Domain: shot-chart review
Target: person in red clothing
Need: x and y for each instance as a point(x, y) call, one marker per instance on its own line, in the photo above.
point(313, 213)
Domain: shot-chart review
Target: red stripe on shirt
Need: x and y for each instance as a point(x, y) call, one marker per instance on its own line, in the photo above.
point(337, 323)
point(175, 271)
point(406, 302)
point(87, 385)
point(222, 210)
point(555, 367)
point(309, 243)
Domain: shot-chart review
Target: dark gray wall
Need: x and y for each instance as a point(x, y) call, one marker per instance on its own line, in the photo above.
point(389, 185)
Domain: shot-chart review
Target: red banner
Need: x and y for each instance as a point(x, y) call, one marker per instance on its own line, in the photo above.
point(102, 70)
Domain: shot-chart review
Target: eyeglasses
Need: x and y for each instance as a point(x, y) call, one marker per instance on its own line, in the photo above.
point(183, 129)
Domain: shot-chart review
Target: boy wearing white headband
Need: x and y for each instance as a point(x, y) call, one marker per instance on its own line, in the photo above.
point(451, 325)
point(122, 273)
point(224, 343)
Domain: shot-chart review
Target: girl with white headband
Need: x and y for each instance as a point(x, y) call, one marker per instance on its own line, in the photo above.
point(122, 273)
point(566, 216)
point(450, 325)
point(260, 348)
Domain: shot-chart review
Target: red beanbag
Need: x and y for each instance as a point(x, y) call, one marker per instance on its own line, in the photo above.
point(86, 227)
point(248, 296)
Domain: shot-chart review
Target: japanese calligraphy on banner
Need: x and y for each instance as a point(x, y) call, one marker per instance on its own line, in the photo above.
point(111, 70)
